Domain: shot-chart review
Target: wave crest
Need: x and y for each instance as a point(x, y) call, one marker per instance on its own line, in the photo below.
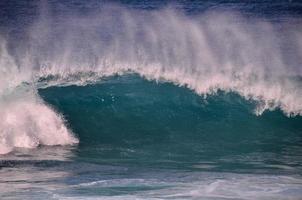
point(214, 51)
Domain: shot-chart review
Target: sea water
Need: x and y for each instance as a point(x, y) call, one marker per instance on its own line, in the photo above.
point(150, 99)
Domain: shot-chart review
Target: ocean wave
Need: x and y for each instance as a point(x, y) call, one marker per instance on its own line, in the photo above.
point(205, 53)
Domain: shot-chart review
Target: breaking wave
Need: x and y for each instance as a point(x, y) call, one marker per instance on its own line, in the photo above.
point(209, 52)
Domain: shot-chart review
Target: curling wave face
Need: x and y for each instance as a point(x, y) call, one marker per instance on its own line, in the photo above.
point(208, 52)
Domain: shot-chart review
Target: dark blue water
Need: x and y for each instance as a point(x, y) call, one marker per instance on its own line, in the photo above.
point(150, 124)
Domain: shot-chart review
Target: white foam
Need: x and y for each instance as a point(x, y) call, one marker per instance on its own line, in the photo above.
point(209, 186)
point(25, 121)
point(28, 124)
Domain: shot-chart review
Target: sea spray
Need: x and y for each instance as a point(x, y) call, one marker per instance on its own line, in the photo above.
point(28, 123)
point(25, 121)
point(209, 52)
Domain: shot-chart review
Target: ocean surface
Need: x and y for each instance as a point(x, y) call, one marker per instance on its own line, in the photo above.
point(151, 99)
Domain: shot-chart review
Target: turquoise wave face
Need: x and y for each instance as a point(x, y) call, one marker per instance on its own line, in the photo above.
point(127, 119)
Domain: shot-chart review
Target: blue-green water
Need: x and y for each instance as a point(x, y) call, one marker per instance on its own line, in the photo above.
point(147, 140)
point(150, 100)
point(133, 121)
